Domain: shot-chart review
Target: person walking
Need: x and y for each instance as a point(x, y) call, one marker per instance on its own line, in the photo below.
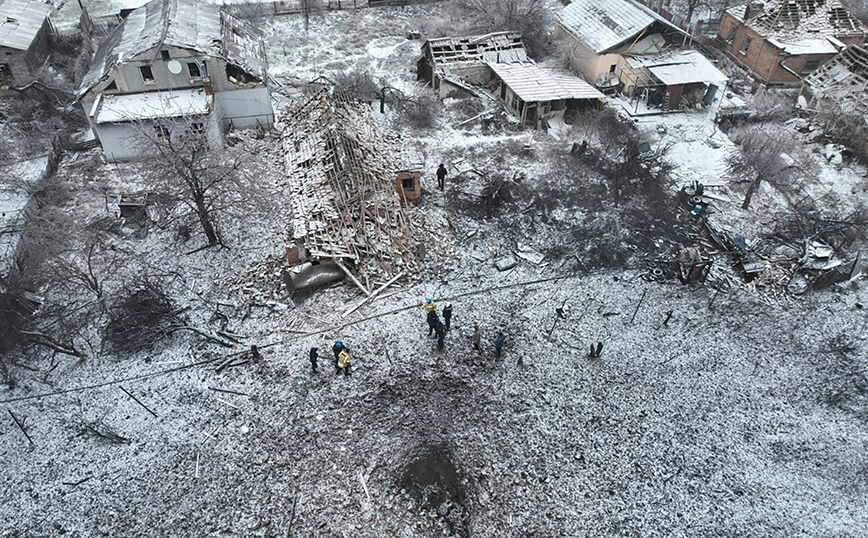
point(343, 364)
point(313, 357)
point(498, 344)
point(441, 177)
point(447, 315)
point(477, 339)
point(433, 321)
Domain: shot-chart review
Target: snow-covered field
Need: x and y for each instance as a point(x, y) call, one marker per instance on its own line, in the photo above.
point(709, 413)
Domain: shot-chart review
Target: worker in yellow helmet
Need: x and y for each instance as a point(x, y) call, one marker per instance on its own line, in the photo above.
point(344, 362)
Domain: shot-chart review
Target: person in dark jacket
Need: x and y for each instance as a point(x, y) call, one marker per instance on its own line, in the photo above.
point(440, 330)
point(313, 358)
point(441, 177)
point(447, 315)
point(477, 339)
point(498, 344)
point(433, 320)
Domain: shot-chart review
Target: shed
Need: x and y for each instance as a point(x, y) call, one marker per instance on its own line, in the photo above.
point(24, 33)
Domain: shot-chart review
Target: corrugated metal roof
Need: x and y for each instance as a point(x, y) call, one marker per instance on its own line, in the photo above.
point(189, 24)
point(604, 24)
point(534, 83)
point(146, 106)
point(493, 47)
point(680, 67)
point(20, 21)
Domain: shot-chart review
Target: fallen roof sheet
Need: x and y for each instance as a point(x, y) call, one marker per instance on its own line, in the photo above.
point(604, 24)
point(341, 182)
point(680, 67)
point(533, 83)
point(189, 24)
point(843, 79)
point(152, 105)
point(20, 21)
point(794, 20)
point(494, 47)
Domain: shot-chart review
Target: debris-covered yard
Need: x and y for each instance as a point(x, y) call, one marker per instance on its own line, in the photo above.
point(733, 406)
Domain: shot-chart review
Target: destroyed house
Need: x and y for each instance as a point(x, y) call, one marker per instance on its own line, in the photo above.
point(626, 47)
point(781, 41)
point(175, 66)
point(534, 93)
point(341, 178)
point(843, 81)
point(24, 32)
point(496, 66)
point(450, 64)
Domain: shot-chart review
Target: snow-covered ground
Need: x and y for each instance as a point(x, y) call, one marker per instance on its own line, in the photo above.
point(709, 413)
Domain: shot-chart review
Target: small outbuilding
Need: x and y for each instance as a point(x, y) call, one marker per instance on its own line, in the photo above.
point(24, 34)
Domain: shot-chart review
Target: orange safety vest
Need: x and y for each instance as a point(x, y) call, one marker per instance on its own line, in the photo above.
point(343, 359)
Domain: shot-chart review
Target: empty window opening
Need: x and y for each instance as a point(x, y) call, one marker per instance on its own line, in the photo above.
point(408, 184)
point(147, 74)
point(810, 65)
point(113, 85)
point(194, 70)
point(612, 68)
point(165, 55)
point(161, 132)
point(745, 45)
point(236, 75)
point(731, 35)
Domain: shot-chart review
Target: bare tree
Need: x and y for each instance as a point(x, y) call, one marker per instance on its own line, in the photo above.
point(199, 176)
point(532, 18)
point(416, 110)
point(310, 7)
point(767, 152)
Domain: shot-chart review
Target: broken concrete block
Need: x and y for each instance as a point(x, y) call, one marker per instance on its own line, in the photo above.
point(506, 263)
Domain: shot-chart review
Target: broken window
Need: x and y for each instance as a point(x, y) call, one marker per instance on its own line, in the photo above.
point(732, 31)
point(810, 65)
point(236, 75)
point(147, 74)
point(612, 68)
point(161, 132)
point(165, 55)
point(194, 70)
point(745, 45)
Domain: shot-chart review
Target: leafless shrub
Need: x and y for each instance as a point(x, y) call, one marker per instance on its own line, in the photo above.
point(569, 54)
point(141, 319)
point(359, 84)
point(773, 105)
point(101, 431)
point(418, 110)
point(846, 127)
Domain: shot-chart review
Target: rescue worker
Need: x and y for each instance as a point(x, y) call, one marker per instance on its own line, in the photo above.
point(498, 344)
point(433, 320)
point(477, 339)
point(313, 357)
point(429, 305)
point(447, 314)
point(344, 362)
point(441, 177)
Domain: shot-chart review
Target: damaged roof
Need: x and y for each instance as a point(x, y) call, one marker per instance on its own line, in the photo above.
point(843, 79)
point(605, 24)
point(341, 180)
point(188, 24)
point(151, 105)
point(494, 47)
point(679, 67)
point(794, 19)
point(20, 21)
point(533, 83)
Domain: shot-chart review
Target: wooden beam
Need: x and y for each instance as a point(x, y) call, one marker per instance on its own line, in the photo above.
point(354, 279)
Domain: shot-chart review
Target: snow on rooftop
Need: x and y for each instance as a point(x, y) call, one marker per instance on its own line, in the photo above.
point(494, 47)
point(806, 46)
point(20, 21)
point(146, 106)
point(843, 79)
point(796, 20)
point(534, 83)
point(604, 24)
point(680, 67)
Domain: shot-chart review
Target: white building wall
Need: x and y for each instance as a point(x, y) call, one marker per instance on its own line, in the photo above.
point(244, 109)
point(126, 141)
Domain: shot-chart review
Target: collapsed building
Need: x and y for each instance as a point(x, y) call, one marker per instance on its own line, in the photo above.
point(496, 67)
point(843, 81)
point(347, 192)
